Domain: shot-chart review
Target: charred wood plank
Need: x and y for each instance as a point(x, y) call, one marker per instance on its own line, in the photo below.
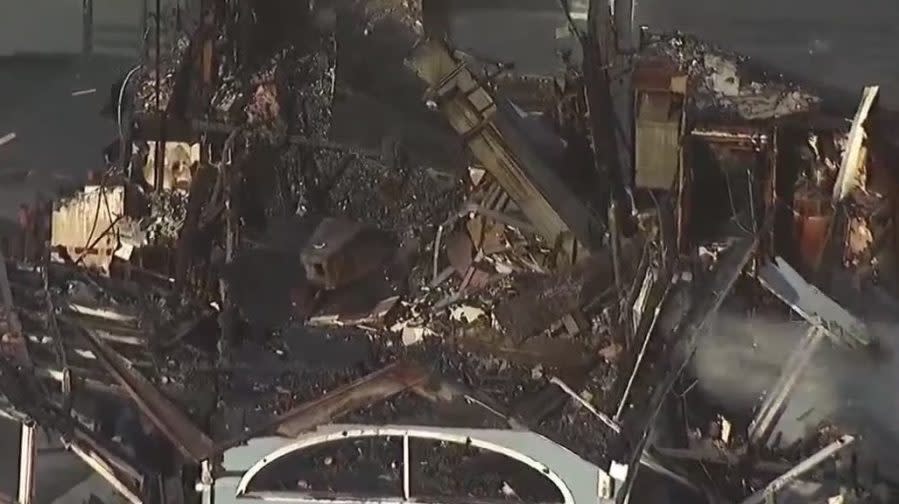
point(363, 392)
point(172, 422)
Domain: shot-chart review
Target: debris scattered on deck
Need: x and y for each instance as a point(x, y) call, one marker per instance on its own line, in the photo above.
point(500, 297)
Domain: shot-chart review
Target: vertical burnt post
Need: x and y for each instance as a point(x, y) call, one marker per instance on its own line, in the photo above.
point(245, 31)
point(598, 47)
point(87, 33)
point(227, 315)
point(159, 160)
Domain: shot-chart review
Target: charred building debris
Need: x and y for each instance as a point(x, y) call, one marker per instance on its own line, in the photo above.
point(339, 258)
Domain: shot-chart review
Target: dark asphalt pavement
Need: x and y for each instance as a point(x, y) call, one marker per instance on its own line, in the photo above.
point(59, 137)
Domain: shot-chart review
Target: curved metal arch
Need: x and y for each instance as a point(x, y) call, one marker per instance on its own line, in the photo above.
point(459, 436)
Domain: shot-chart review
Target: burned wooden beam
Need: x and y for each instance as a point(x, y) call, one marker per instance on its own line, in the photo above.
point(365, 391)
point(493, 132)
point(813, 305)
point(174, 424)
point(773, 406)
point(373, 388)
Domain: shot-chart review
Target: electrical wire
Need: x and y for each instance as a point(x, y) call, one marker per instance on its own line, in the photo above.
point(733, 207)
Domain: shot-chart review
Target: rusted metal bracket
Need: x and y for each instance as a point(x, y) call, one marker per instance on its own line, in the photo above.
point(173, 423)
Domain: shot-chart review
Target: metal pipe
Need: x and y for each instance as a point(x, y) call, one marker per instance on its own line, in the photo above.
point(800, 469)
point(574, 395)
point(773, 406)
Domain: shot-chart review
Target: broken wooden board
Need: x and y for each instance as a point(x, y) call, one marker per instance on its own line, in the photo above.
point(851, 169)
point(813, 305)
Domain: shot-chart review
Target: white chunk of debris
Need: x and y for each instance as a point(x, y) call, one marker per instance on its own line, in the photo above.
point(605, 485)
point(476, 175)
point(9, 137)
point(508, 491)
point(723, 79)
point(413, 335)
point(466, 313)
point(618, 471)
point(725, 429)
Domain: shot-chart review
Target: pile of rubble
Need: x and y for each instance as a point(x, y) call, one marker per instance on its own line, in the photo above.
point(267, 300)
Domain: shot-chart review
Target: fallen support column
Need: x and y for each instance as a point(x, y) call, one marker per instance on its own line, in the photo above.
point(800, 469)
point(492, 130)
point(813, 305)
point(773, 406)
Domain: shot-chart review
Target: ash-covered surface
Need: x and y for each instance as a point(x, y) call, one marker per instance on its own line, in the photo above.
point(725, 84)
point(441, 469)
point(402, 198)
point(367, 466)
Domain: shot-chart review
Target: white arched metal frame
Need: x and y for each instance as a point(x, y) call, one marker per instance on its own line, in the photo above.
point(577, 480)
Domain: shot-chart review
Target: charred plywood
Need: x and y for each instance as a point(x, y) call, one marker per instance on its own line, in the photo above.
point(660, 93)
point(493, 131)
